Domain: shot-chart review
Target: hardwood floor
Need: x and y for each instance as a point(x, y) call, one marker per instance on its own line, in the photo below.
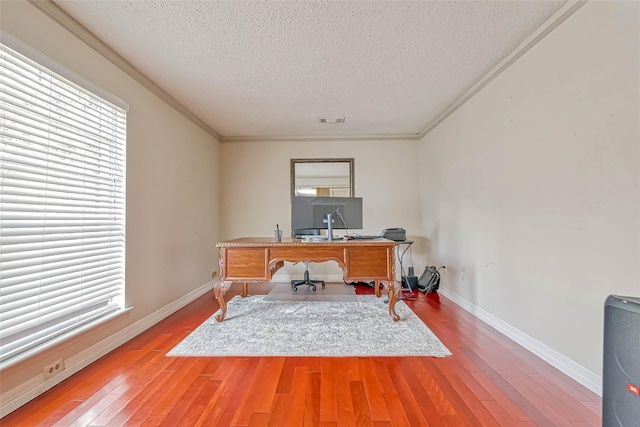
point(489, 380)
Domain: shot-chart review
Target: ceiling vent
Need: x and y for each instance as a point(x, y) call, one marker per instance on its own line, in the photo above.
point(331, 119)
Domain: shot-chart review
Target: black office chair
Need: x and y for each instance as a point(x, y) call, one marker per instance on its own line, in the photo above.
point(296, 234)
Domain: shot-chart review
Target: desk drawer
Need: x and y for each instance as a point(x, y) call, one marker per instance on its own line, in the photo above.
point(370, 263)
point(245, 263)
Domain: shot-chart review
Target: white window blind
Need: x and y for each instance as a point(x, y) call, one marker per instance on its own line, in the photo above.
point(62, 205)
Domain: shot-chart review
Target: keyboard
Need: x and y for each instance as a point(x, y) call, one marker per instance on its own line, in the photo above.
point(319, 238)
point(361, 237)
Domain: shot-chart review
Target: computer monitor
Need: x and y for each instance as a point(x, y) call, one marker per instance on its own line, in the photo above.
point(311, 212)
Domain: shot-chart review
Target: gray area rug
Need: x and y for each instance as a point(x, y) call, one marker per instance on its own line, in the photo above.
point(255, 327)
point(332, 292)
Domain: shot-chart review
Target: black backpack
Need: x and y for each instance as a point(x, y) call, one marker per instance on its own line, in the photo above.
point(429, 282)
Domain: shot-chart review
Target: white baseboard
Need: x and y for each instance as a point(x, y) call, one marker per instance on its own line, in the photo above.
point(567, 366)
point(30, 389)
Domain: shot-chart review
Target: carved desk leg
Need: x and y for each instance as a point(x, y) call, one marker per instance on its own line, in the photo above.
point(219, 289)
point(245, 291)
point(377, 289)
point(393, 297)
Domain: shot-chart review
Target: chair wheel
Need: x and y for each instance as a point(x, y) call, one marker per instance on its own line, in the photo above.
point(295, 289)
point(323, 285)
point(313, 288)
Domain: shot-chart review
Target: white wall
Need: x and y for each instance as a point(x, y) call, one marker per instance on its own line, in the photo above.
point(255, 192)
point(530, 191)
point(172, 190)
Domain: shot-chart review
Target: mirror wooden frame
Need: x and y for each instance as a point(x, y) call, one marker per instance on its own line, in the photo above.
point(352, 190)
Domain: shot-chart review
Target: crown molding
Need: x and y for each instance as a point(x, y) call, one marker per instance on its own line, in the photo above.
point(66, 21)
point(321, 138)
point(561, 15)
point(56, 13)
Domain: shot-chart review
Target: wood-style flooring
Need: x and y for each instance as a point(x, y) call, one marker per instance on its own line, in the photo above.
point(489, 381)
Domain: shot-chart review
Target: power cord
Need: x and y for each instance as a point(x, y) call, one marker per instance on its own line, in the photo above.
point(346, 229)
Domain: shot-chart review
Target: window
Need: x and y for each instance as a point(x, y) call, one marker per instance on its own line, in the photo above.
point(62, 202)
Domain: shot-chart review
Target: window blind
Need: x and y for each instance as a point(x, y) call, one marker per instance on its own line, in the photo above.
point(62, 205)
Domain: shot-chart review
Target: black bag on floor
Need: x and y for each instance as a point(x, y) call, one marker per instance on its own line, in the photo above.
point(429, 281)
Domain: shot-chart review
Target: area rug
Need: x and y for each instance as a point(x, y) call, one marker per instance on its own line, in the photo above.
point(332, 292)
point(255, 327)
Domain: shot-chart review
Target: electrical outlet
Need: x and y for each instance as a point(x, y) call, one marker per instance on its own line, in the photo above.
point(53, 369)
point(444, 267)
point(214, 274)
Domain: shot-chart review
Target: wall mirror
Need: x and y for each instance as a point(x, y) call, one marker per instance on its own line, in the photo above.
point(322, 177)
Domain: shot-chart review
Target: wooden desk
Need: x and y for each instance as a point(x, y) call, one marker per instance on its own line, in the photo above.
point(256, 259)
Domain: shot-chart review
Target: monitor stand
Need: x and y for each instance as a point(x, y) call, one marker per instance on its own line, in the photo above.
point(329, 227)
point(329, 237)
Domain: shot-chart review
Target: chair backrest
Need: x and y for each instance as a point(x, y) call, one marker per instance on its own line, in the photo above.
point(305, 232)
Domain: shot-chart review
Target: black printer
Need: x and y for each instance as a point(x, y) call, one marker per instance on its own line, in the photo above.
point(397, 234)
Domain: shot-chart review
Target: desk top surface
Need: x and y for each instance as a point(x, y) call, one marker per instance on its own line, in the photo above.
point(287, 241)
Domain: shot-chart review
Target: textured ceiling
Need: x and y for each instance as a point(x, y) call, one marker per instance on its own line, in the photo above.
point(270, 69)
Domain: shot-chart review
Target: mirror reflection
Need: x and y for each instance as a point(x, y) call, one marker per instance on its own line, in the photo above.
point(322, 177)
